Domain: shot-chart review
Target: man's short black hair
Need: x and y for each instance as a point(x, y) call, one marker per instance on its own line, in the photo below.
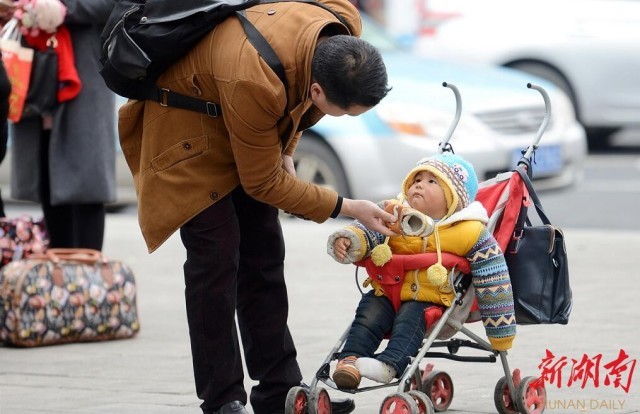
point(350, 71)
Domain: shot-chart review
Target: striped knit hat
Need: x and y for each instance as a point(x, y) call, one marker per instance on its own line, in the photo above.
point(455, 175)
point(460, 185)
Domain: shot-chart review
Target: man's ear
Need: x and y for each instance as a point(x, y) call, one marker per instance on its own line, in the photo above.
point(316, 90)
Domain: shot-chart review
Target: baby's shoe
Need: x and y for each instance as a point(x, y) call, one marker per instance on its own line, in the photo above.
point(375, 370)
point(346, 374)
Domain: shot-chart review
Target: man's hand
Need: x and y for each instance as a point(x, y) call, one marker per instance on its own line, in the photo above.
point(369, 214)
point(287, 163)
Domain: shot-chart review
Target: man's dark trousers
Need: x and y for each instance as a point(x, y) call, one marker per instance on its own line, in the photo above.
point(235, 262)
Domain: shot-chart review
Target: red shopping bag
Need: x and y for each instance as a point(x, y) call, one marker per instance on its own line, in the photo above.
point(17, 61)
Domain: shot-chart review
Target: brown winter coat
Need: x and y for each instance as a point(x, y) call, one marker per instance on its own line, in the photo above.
point(183, 162)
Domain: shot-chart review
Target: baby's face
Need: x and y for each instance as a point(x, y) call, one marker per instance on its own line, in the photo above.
point(426, 195)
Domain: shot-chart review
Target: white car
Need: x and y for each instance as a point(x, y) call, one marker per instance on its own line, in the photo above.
point(589, 48)
point(368, 156)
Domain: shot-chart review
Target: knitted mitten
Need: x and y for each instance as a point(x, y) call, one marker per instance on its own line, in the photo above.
point(356, 250)
point(410, 222)
point(415, 223)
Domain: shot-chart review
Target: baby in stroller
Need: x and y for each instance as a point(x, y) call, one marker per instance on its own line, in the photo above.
point(436, 213)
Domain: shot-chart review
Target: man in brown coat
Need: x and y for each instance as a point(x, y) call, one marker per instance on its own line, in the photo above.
point(222, 180)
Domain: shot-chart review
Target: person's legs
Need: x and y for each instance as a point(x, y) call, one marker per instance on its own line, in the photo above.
point(408, 331)
point(88, 225)
point(5, 90)
point(58, 219)
point(68, 225)
point(263, 305)
point(212, 240)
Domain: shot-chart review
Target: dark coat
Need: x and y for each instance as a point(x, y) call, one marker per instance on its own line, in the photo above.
point(82, 145)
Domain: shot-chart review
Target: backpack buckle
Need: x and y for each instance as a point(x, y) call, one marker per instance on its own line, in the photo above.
point(164, 97)
point(212, 109)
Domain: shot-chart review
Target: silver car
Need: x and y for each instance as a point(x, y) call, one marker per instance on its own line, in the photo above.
point(588, 48)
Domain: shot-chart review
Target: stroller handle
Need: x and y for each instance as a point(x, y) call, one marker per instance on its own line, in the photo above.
point(545, 122)
point(443, 146)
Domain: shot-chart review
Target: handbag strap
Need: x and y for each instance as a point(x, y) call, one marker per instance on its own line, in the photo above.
point(533, 196)
point(10, 30)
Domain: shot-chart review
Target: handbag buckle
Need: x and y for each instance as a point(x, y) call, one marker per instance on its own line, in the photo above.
point(52, 42)
point(517, 236)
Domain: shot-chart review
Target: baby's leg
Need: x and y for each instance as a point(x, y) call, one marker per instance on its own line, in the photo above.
point(407, 334)
point(374, 318)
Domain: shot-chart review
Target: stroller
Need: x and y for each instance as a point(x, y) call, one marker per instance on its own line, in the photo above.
point(423, 390)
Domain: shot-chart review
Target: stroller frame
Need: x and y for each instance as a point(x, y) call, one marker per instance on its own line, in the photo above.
point(411, 376)
point(511, 393)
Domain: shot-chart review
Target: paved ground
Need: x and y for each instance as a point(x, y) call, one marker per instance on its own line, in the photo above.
point(152, 373)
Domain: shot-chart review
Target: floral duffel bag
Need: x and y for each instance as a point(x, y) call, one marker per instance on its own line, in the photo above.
point(64, 296)
point(20, 237)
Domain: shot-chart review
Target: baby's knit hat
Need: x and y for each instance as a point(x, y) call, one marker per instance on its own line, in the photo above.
point(459, 182)
point(455, 175)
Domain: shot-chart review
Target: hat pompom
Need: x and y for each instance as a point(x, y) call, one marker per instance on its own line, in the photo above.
point(437, 275)
point(381, 254)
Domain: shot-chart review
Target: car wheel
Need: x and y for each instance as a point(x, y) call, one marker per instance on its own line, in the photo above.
point(598, 138)
point(549, 73)
point(316, 163)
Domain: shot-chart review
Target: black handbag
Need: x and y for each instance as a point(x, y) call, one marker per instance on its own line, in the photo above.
point(537, 260)
point(42, 96)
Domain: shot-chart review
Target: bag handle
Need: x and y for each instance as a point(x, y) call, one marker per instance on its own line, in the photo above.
point(84, 256)
point(10, 30)
point(77, 255)
point(533, 196)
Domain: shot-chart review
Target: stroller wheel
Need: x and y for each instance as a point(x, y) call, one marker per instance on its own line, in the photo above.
point(297, 401)
point(502, 398)
point(399, 403)
point(439, 387)
point(425, 406)
point(319, 401)
point(531, 395)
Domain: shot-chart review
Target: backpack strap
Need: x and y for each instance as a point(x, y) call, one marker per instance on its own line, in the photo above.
point(166, 97)
point(263, 47)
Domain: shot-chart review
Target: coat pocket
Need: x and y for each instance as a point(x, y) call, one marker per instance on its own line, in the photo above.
point(181, 151)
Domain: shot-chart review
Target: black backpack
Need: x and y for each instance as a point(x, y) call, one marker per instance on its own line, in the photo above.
point(142, 38)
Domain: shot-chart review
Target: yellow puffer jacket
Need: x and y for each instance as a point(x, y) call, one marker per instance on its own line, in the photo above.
point(457, 238)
